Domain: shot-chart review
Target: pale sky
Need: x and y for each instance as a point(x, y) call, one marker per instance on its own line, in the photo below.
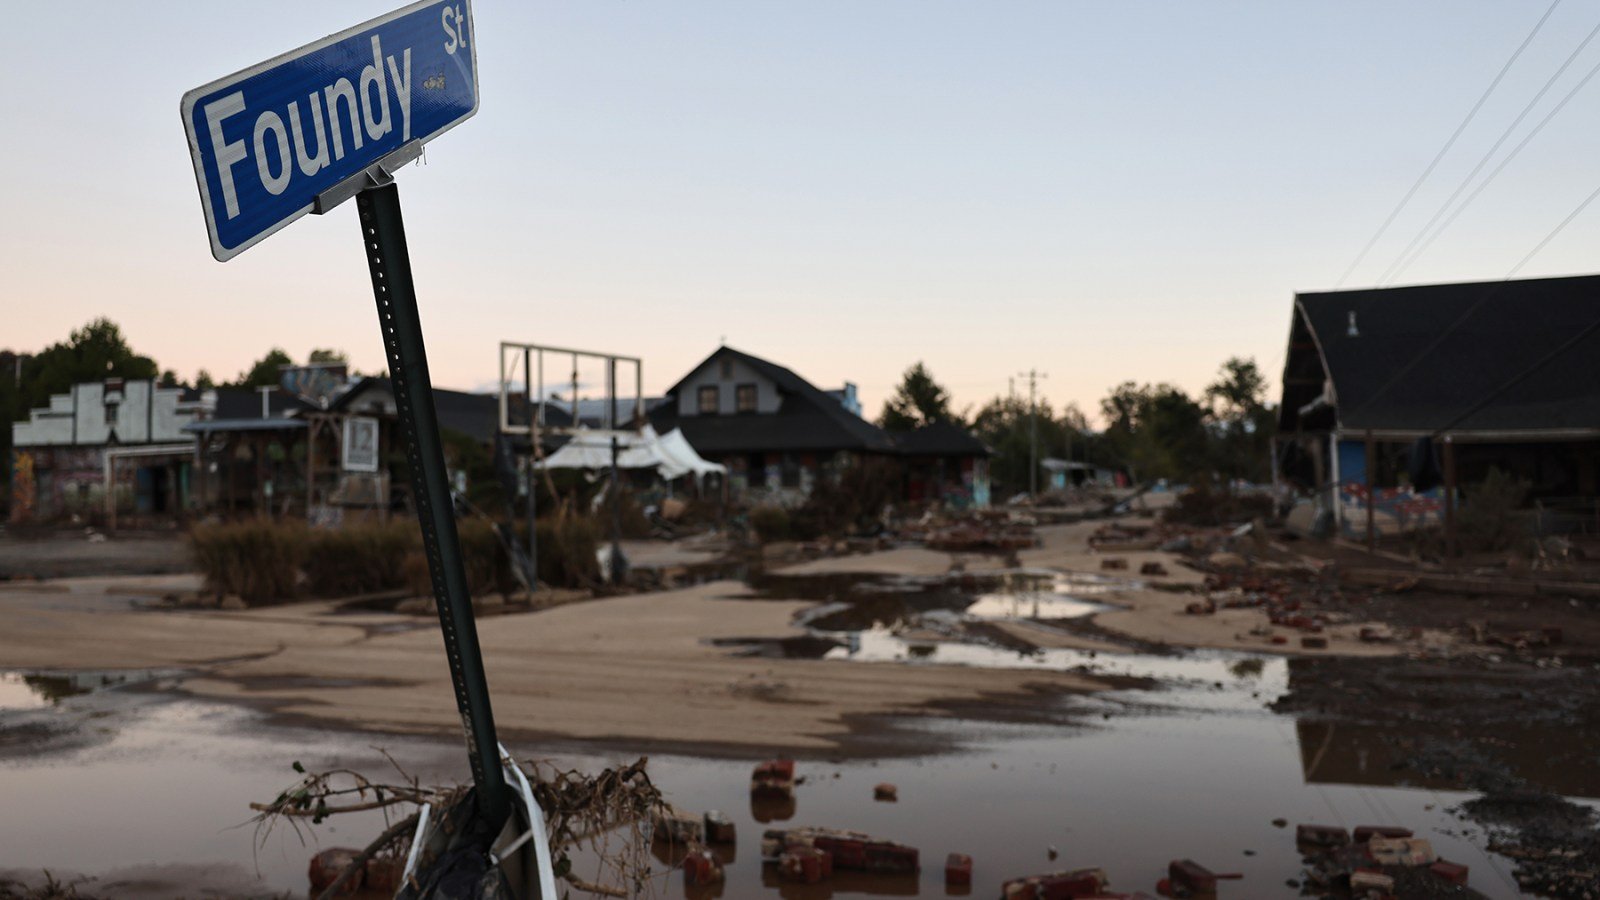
point(1104, 191)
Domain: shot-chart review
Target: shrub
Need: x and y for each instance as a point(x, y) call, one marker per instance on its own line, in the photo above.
point(849, 501)
point(263, 561)
point(483, 559)
point(1490, 519)
point(771, 523)
point(259, 560)
point(1204, 505)
point(567, 546)
point(359, 559)
point(487, 565)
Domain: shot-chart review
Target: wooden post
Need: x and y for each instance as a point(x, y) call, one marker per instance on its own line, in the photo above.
point(311, 461)
point(230, 451)
point(1449, 496)
point(1272, 463)
point(111, 492)
point(205, 477)
point(261, 476)
point(1372, 493)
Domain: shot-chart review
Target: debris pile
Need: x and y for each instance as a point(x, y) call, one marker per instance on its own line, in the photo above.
point(1059, 886)
point(1377, 861)
point(811, 855)
point(979, 531)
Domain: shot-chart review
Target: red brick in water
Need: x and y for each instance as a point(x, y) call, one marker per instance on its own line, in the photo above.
point(1455, 873)
point(958, 869)
point(327, 866)
point(701, 867)
point(806, 864)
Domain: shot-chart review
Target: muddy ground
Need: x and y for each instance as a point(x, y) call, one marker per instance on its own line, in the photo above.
point(1508, 715)
point(1493, 695)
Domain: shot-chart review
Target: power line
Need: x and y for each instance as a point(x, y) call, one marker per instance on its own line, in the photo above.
point(1499, 168)
point(1524, 375)
point(1551, 236)
point(1489, 154)
point(1446, 148)
point(1469, 311)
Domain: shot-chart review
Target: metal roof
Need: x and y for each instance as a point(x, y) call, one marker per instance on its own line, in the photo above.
point(1419, 359)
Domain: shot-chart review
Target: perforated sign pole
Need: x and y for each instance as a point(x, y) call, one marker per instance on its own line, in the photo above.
point(383, 236)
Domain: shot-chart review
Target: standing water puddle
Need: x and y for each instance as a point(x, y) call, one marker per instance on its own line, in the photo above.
point(36, 690)
point(1126, 780)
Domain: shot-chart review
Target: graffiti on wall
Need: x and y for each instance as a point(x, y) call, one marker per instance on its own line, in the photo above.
point(1396, 509)
point(24, 490)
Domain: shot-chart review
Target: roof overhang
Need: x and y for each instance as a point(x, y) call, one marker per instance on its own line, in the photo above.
point(213, 426)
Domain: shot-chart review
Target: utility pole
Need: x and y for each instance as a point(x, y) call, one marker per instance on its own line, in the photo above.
point(1033, 376)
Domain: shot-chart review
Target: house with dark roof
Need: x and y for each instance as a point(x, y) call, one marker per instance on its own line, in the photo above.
point(777, 433)
point(365, 413)
point(945, 463)
point(326, 454)
point(1389, 391)
point(246, 442)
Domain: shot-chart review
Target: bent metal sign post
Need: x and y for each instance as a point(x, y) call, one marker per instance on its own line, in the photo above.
point(302, 133)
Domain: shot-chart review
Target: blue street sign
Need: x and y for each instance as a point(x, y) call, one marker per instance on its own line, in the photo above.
point(267, 140)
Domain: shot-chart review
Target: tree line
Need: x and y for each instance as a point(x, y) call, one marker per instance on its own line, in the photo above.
point(1150, 430)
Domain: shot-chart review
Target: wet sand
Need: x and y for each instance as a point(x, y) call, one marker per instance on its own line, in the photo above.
point(636, 669)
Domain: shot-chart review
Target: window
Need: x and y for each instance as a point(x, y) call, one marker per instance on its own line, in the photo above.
point(111, 413)
point(745, 398)
point(727, 368)
point(790, 469)
point(709, 401)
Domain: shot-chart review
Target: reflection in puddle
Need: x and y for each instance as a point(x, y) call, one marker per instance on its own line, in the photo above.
point(1200, 770)
point(861, 601)
point(1032, 605)
point(1129, 794)
point(920, 620)
point(858, 602)
point(17, 693)
point(34, 690)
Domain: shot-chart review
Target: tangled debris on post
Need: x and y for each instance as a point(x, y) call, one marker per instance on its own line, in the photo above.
point(607, 813)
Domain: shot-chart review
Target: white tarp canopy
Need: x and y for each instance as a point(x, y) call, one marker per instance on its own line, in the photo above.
point(669, 454)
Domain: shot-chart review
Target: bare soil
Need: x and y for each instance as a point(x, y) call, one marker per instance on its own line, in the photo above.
point(79, 552)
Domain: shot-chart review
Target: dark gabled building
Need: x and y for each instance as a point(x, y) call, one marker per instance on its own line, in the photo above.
point(246, 443)
point(475, 415)
point(777, 433)
point(1497, 374)
point(945, 462)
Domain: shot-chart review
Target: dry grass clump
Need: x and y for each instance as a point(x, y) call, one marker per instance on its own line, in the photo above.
point(259, 560)
point(263, 561)
point(358, 559)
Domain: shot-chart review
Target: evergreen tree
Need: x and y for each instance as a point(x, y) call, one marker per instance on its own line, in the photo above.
point(918, 401)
